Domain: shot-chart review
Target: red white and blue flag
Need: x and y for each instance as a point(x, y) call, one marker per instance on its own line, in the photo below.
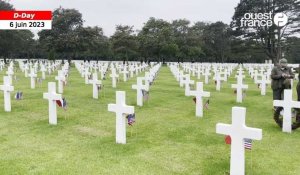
point(248, 144)
point(130, 119)
point(62, 103)
point(206, 104)
point(19, 95)
point(145, 94)
point(100, 87)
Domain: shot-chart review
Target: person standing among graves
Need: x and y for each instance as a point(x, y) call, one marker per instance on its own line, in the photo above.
point(281, 79)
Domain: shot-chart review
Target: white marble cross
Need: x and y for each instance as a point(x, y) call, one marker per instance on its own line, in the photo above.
point(199, 93)
point(26, 68)
point(238, 131)
point(102, 72)
point(187, 83)
point(43, 70)
point(86, 75)
point(181, 78)
point(125, 72)
point(263, 84)
point(139, 87)
point(52, 96)
point(255, 76)
point(206, 75)
point(218, 79)
point(6, 88)
point(114, 77)
point(287, 105)
point(131, 69)
point(239, 88)
point(61, 79)
point(49, 69)
point(95, 82)
point(147, 79)
point(10, 73)
point(32, 76)
point(120, 108)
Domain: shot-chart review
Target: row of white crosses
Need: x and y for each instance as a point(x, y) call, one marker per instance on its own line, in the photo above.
point(84, 69)
point(140, 86)
point(200, 69)
point(199, 93)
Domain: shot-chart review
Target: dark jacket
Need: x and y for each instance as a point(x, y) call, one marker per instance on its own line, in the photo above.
point(277, 79)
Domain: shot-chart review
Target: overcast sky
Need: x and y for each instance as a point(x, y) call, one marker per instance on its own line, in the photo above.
point(108, 13)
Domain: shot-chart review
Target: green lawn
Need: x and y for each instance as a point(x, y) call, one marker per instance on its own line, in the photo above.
point(166, 139)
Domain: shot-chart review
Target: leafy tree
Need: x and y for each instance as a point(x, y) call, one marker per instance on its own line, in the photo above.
point(63, 38)
point(124, 43)
point(93, 42)
point(155, 35)
point(216, 38)
point(292, 49)
point(169, 51)
point(15, 43)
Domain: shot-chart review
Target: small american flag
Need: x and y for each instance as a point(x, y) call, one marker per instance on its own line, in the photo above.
point(244, 95)
point(248, 143)
point(145, 94)
point(19, 95)
point(62, 103)
point(39, 80)
point(130, 119)
point(100, 87)
point(206, 104)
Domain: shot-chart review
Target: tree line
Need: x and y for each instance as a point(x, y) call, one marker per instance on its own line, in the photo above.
point(160, 40)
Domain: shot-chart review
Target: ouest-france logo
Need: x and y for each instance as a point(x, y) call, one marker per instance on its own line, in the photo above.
point(264, 19)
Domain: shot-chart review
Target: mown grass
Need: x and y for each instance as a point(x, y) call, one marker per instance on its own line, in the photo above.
point(167, 138)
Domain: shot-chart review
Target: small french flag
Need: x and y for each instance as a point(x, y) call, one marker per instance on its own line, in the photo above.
point(62, 103)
